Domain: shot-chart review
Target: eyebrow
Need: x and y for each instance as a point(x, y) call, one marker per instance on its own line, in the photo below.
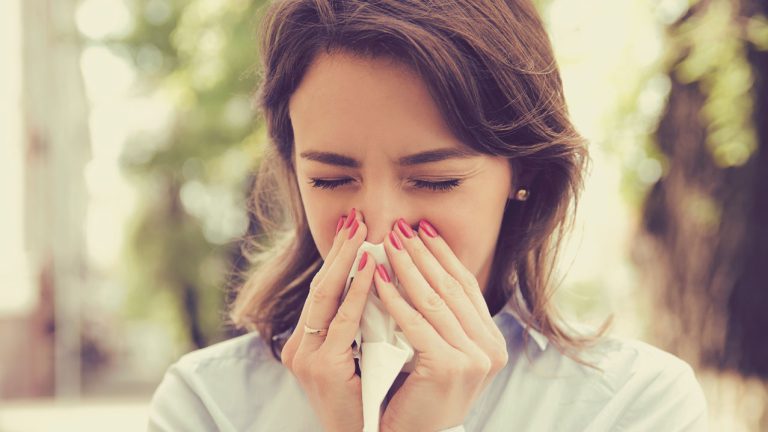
point(428, 156)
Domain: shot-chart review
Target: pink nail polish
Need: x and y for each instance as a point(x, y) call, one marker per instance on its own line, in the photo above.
point(340, 224)
point(351, 217)
point(404, 228)
point(383, 272)
point(395, 241)
point(353, 229)
point(363, 260)
point(428, 228)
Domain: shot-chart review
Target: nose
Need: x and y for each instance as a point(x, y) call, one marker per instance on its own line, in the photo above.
point(381, 212)
point(379, 224)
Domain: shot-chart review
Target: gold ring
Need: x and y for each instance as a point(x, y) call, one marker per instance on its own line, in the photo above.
point(314, 331)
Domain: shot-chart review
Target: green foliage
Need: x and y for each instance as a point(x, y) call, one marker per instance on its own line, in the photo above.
point(199, 57)
point(715, 57)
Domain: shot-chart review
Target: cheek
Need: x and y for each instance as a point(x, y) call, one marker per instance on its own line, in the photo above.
point(469, 250)
point(471, 231)
point(323, 237)
point(461, 237)
point(322, 220)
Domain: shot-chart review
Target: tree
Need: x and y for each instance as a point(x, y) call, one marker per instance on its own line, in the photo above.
point(704, 243)
point(201, 57)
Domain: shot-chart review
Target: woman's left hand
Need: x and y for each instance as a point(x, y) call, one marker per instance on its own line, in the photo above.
point(459, 345)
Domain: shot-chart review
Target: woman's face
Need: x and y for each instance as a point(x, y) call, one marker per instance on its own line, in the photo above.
point(359, 125)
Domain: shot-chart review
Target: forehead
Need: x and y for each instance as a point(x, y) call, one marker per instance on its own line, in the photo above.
point(347, 101)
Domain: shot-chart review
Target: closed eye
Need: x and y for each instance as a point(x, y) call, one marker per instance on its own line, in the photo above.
point(438, 186)
point(441, 186)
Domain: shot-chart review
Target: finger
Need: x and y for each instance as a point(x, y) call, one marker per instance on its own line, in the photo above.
point(451, 263)
point(424, 298)
point(346, 323)
point(324, 301)
point(445, 285)
point(420, 333)
point(338, 240)
point(492, 343)
point(293, 341)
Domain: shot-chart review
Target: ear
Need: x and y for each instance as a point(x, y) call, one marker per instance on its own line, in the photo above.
point(522, 176)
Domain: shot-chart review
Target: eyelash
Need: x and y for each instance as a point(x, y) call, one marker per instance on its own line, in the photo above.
point(441, 186)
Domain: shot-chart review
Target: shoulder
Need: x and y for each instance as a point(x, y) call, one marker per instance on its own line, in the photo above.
point(625, 361)
point(250, 346)
point(647, 387)
point(621, 384)
point(189, 396)
point(234, 363)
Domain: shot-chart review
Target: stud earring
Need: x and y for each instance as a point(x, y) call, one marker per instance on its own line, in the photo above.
point(522, 194)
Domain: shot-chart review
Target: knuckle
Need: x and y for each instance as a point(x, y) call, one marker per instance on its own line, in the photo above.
point(466, 279)
point(434, 302)
point(453, 370)
point(286, 357)
point(481, 366)
point(470, 371)
point(299, 368)
point(451, 287)
point(499, 358)
point(320, 294)
point(469, 280)
point(288, 352)
point(475, 369)
point(500, 340)
point(344, 316)
point(315, 281)
point(414, 318)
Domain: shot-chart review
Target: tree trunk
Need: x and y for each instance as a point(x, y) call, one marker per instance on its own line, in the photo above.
point(703, 249)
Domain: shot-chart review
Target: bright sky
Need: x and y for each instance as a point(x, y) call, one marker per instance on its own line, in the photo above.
point(16, 295)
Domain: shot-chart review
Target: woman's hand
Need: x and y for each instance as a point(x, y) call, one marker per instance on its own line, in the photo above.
point(460, 347)
point(323, 364)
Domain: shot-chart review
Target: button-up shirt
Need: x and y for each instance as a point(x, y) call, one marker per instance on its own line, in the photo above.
point(237, 385)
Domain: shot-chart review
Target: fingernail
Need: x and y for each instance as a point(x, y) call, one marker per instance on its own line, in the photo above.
point(351, 217)
point(363, 260)
point(395, 241)
point(340, 224)
point(428, 228)
point(353, 229)
point(383, 272)
point(404, 228)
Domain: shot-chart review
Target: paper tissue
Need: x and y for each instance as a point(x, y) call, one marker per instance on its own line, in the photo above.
point(382, 347)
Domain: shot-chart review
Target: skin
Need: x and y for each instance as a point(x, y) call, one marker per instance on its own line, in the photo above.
point(375, 112)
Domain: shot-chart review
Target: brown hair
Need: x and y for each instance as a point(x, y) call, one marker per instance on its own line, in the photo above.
point(490, 68)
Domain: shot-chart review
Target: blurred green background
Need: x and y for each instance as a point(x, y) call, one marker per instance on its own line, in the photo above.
point(128, 149)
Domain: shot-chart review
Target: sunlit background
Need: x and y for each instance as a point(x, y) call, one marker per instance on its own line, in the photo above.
point(128, 143)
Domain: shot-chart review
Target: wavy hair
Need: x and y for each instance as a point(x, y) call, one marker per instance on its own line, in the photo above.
point(490, 68)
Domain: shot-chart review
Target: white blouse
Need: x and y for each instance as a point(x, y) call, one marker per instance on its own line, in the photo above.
point(237, 385)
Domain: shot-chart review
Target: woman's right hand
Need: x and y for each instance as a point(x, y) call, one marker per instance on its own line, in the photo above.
point(324, 364)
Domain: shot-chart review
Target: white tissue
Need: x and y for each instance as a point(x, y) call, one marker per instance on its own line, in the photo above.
point(383, 349)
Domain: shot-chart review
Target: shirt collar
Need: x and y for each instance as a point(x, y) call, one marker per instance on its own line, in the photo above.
point(539, 338)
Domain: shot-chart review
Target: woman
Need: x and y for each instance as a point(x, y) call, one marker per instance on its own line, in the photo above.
point(438, 128)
